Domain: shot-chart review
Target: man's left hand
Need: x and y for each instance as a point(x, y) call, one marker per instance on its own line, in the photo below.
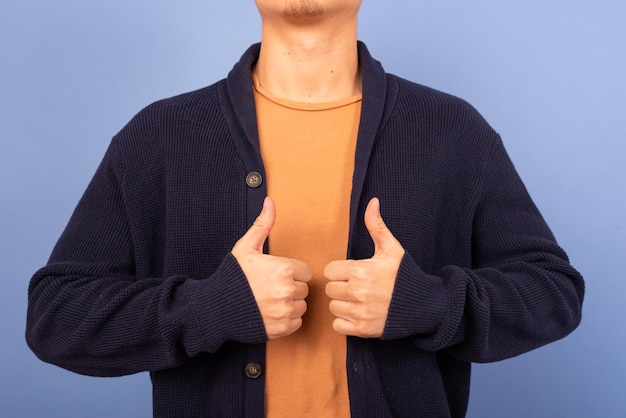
point(360, 290)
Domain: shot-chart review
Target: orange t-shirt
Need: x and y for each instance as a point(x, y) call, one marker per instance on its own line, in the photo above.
point(308, 151)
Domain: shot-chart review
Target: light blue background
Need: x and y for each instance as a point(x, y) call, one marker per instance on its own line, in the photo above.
point(547, 74)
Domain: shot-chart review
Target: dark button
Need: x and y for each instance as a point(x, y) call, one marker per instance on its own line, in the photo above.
point(253, 370)
point(254, 179)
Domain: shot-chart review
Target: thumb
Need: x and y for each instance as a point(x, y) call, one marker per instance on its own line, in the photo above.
point(384, 241)
point(258, 232)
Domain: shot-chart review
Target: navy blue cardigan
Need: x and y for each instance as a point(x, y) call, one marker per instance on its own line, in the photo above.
point(142, 278)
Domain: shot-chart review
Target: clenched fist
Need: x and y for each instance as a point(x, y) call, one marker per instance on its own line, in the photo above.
point(279, 284)
point(361, 290)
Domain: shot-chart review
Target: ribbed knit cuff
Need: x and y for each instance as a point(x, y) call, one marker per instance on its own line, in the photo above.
point(225, 308)
point(418, 305)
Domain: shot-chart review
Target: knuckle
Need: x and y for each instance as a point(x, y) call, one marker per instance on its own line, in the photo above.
point(287, 291)
point(360, 314)
point(357, 271)
point(360, 294)
point(290, 310)
point(281, 328)
point(365, 329)
point(284, 269)
point(359, 329)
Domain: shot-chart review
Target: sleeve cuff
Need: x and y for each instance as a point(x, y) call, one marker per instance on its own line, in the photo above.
point(225, 308)
point(418, 305)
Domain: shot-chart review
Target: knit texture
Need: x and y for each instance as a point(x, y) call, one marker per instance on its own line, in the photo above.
point(142, 278)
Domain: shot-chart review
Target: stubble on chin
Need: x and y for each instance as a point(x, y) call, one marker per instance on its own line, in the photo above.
point(303, 8)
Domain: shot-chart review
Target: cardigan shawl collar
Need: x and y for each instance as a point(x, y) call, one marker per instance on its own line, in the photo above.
point(237, 101)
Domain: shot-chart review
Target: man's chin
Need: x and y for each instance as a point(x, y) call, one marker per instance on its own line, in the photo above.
point(303, 8)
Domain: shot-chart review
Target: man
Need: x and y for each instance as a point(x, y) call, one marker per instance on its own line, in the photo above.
point(210, 247)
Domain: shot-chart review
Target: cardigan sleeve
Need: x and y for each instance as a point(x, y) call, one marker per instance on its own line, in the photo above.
point(520, 293)
point(89, 313)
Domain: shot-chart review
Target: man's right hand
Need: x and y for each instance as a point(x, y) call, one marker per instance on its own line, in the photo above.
point(279, 284)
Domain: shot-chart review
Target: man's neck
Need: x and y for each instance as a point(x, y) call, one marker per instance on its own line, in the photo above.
point(309, 64)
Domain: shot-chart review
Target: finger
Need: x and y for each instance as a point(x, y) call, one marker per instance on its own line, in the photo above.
point(338, 270)
point(299, 309)
point(344, 327)
point(341, 309)
point(347, 324)
point(337, 290)
point(302, 291)
point(302, 271)
point(258, 232)
point(381, 235)
point(282, 329)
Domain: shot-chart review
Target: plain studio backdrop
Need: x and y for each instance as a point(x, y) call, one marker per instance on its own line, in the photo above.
point(547, 74)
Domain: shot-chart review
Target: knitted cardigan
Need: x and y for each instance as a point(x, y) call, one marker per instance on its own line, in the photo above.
point(142, 278)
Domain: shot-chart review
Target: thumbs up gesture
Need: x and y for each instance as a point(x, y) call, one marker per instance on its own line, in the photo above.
point(279, 284)
point(360, 290)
